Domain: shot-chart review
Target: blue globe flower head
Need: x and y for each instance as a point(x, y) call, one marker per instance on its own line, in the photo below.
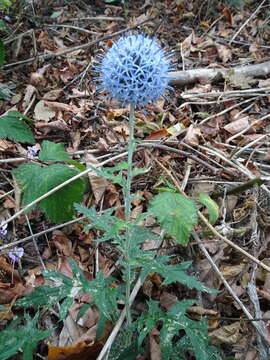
point(135, 70)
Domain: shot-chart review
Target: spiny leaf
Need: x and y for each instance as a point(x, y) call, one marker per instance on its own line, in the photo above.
point(13, 128)
point(36, 181)
point(211, 205)
point(18, 336)
point(107, 223)
point(176, 213)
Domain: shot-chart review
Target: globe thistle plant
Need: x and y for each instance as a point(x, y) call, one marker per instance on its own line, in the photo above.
point(134, 70)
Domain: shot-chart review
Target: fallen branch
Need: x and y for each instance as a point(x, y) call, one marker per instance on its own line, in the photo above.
point(181, 78)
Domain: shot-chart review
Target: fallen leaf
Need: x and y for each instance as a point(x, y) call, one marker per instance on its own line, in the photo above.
point(226, 12)
point(43, 112)
point(238, 125)
point(157, 135)
point(192, 135)
point(155, 351)
point(229, 334)
point(53, 94)
point(98, 183)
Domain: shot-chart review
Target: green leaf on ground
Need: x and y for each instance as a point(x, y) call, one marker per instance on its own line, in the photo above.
point(53, 152)
point(176, 214)
point(13, 128)
point(36, 181)
point(211, 206)
point(56, 152)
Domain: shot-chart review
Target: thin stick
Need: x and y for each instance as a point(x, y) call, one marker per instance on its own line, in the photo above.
point(247, 21)
point(180, 152)
point(74, 48)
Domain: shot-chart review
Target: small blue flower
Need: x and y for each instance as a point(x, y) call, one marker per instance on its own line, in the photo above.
point(3, 228)
point(135, 70)
point(15, 254)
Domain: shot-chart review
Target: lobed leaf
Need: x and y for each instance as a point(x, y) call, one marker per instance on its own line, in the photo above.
point(176, 214)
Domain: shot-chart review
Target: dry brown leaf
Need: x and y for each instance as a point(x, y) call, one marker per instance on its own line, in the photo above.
point(192, 135)
point(167, 300)
point(224, 53)
point(229, 334)
point(157, 135)
point(238, 125)
point(232, 270)
point(52, 94)
point(226, 12)
point(155, 351)
point(62, 243)
point(43, 112)
point(8, 292)
point(98, 183)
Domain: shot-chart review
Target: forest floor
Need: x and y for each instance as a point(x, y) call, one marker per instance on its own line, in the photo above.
point(220, 127)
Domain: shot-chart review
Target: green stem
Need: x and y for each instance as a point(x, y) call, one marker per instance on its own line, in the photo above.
point(127, 195)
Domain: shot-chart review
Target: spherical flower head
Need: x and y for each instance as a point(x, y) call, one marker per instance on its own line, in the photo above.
point(135, 70)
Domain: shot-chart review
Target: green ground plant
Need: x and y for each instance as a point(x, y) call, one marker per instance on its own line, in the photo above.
point(175, 213)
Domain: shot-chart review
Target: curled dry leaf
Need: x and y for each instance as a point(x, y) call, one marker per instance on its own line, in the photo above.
point(238, 125)
point(229, 334)
point(43, 112)
point(192, 135)
point(38, 78)
point(224, 53)
point(98, 183)
point(30, 91)
point(53, 94)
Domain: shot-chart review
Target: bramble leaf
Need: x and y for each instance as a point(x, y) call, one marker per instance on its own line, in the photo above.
point(176, 214)
point(36, 181)
point(53, 152)
point(211, 205)
point(13, 128)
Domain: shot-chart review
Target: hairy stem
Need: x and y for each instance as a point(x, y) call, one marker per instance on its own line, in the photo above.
point(127, 195)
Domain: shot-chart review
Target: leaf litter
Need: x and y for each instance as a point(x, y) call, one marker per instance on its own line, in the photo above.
point(67, 108)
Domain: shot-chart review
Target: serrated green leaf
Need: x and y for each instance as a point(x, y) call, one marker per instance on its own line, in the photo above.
point(109, 224)
point(13, 128)
point(176, 214)
point(16, 114)
point(211, 205)
point(21, 336)
point(56, 152)
point(2, 53)
point(36, 181)
point(53, 152)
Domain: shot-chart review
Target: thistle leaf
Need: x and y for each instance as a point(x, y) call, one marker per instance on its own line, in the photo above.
point(21, 336)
